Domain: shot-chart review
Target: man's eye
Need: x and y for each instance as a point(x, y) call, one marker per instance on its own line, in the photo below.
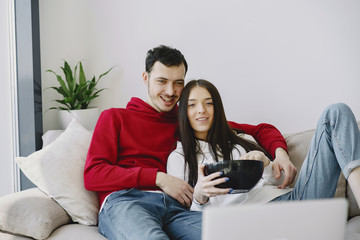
point(179, 84)
point(161, 81)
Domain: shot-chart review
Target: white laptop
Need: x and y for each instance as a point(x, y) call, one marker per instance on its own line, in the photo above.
point(300, 220)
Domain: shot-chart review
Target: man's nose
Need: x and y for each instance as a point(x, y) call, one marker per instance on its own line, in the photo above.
point(170, 89)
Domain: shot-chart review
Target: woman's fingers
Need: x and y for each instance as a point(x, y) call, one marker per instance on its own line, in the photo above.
point(218, 181)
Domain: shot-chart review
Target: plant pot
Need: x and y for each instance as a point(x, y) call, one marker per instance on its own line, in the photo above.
point(86, 117)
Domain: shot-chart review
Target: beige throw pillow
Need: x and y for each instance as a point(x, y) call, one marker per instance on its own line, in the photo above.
point(31, 213)
point(58, 170)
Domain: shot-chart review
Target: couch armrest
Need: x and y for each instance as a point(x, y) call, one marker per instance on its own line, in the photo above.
point(31, 213)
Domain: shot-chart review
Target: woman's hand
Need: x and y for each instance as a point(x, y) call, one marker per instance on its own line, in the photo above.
point(256, 155)
point(205, 187)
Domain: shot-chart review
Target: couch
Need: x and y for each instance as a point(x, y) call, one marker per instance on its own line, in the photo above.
point(60, 207)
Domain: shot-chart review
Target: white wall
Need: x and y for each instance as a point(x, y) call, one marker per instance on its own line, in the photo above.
point(6, 140)
point(280, 61)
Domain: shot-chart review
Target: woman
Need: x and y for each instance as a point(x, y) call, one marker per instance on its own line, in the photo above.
point(206, 138)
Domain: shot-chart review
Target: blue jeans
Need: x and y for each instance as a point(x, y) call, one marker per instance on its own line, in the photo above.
point(134, 214)
point(335, 147)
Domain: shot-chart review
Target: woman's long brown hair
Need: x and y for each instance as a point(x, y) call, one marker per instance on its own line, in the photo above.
point(221, 137)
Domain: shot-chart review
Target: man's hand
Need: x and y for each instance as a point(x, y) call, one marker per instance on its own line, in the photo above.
point(256, 155)
point(175, 188)
point(282, 163)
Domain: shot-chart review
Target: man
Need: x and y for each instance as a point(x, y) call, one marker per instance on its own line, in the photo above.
point(126, 162)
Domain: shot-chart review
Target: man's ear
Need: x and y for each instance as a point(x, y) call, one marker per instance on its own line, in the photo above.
point(146, 78)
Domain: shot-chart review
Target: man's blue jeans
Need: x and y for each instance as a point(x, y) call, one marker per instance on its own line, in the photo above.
point(335, 147)
point(134, 214)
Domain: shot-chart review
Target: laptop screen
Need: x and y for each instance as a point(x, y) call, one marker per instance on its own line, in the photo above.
point(294, 220)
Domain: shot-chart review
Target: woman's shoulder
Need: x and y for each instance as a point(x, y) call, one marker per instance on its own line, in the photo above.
point(175, 160)
point(178, 149)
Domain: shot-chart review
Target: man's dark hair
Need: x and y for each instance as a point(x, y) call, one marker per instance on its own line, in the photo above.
point(166, 55)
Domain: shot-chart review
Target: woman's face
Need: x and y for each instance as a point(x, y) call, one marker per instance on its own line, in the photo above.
point(200, 111)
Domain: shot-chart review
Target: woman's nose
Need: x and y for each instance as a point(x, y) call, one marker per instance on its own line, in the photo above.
point(201, 108)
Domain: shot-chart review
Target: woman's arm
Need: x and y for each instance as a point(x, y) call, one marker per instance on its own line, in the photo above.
point(176, 165)
point(204, 187)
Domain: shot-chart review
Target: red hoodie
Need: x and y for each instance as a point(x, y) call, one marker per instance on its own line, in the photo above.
point(129, 146)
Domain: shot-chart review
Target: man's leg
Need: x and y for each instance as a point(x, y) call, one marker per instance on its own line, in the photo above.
point(133, 214)
point(180, 223)
point(334, 147)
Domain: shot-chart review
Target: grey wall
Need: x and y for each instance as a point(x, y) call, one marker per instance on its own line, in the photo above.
point(277, 61)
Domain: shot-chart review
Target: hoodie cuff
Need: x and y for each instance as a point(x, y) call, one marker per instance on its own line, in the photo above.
point(147, 177)
point(276, 145)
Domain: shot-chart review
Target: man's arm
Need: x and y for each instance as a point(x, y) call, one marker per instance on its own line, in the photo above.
point(102, 170)
point(265, 134)
point(274, 143)
point(104, 173)
point(282, 163)
point(175, 188)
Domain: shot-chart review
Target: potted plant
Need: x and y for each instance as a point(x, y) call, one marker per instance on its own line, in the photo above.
point(77, 94)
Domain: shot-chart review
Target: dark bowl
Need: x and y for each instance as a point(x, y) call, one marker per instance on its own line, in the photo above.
point(243, 174)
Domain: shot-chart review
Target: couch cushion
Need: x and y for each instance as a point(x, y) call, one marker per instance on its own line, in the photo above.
point(10, 236)
point(58, 169)
point(78, 232)
point(31, 213)
point(353, 207)
point(352, 229)
point(298, 146)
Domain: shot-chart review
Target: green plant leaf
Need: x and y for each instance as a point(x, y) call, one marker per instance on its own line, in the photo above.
point(75, 70)
point(76, 94)
point(64, 103)
point(69, 77)
point(62, 82)
point(105, 73)
point(82, 78)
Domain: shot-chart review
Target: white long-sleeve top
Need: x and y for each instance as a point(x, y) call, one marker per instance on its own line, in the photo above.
point(264, 191)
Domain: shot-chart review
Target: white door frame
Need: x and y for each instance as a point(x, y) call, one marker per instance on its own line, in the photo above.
point(9, 128)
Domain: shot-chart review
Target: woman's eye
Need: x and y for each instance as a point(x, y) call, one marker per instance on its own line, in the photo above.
point(191, 105)
point(210, 103)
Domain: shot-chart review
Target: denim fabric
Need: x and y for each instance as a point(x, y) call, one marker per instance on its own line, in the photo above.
point(335, 147)
point(134, 214)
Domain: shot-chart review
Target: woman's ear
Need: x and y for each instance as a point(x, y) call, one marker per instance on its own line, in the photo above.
point(146, 78)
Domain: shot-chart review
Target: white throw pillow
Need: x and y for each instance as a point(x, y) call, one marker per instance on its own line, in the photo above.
point(58, 170)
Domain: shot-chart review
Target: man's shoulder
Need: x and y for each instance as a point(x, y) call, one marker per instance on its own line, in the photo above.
point(111, 111)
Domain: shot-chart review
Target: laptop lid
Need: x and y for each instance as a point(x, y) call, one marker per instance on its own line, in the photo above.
point(293, 220)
